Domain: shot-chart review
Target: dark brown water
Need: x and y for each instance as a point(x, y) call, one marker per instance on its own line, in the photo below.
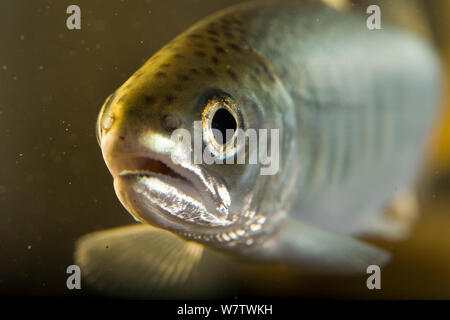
point(54, 185)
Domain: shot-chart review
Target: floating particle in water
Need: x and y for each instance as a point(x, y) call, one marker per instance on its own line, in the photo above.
point(22, 37)
point(5, 67)
point(41, 67)
point(29, 247)
point(2, 189)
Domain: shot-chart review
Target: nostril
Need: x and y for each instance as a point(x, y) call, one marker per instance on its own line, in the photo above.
point(170, 122)
point(104, 123)
point(107, 122)
point(105, 119)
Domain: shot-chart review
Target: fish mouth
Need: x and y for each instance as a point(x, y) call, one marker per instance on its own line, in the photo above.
point(150, 168)
point(156, 190)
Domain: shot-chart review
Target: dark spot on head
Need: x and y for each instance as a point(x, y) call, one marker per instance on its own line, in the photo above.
point(199, 53)
point(200, 45)
point(219, 49)
point(214, 60)
point(170, 122)
point(136, 112)
point(178, 87)
point(213, 39)
point(228, 34)
point(193, 71)
point(178, 56)
point(183, 77)
point(150, 99)
point(225, 27)
point(209, 71)
point(232, 75)
point(213, 32)
point(235, 20)
point(165, 65)
point(122, 137)
point(169, 98)
point(234, 46)
point(161, 74)
point(195, 36)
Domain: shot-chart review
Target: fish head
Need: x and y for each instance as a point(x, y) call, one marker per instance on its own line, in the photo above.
point(184, 100)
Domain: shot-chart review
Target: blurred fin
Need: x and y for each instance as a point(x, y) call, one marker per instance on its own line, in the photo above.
point(141, 261)
point(399, 218)
point(309, 250)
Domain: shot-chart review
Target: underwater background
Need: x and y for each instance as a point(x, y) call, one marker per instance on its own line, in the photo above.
point(54, 184)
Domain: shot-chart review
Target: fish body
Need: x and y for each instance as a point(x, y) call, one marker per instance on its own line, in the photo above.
point(352, 107)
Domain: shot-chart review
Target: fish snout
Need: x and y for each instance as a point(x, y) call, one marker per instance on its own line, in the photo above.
point(131, 150)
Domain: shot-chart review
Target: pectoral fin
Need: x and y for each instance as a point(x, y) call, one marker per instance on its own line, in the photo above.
point(397, 221)
point(310, 250)
point(143, 261)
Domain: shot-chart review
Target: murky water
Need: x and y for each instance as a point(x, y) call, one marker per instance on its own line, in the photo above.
point(54, 185)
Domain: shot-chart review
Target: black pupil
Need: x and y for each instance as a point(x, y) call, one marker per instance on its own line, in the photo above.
point(222, 121)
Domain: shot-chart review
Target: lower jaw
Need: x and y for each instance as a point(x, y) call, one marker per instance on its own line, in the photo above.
point(146, 199)
point(139, 208)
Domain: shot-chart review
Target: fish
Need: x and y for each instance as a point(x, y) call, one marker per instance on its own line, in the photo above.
point(352, 107)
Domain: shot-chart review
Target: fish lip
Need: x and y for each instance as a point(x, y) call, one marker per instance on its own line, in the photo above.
point(195, 181)
point(187, 188)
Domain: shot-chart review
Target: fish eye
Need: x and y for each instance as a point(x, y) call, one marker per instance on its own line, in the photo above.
point(221, 121)
point(224, 122)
